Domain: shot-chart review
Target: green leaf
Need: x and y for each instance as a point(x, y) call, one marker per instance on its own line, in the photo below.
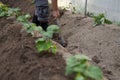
point(42, 46)
point(26, 25)
point(47, 35)
point(108, 21)
point(68, 70)
point(39, 29)
point(53, 28)
point(23, 18)
point(13, 11)
point(101, 19)
point(54, 49)
point(79, 77)
point(27, 16)
point(94, 73)
point(40, 40)
point(82, 57)
point(79, 64)
point(80, 68)
point(5, 11)
point(48, 44)
point(3, 14)
point(31, 27)
point(76, 63)
point(70, 64)
point(71, 61)
point(3, 7)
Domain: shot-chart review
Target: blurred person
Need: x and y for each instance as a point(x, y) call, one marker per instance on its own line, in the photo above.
point(41, 15)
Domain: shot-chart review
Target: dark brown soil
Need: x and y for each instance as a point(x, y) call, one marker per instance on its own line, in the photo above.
point(19, 59)
point(24, 5)
point(101, 43)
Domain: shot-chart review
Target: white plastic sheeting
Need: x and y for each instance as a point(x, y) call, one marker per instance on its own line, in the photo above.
point(78, 4)
point(111, 8)
point(63, 3)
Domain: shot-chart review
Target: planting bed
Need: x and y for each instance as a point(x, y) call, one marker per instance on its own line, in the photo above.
point(19, 59)
point(101, 43)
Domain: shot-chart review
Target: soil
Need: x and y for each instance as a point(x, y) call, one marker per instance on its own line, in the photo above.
point(24, 5)
point(19, 60)
point(100, 43)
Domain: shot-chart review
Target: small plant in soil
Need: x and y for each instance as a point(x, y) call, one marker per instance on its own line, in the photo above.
point(24, 18)
point(28, 26)
point(43, 43)
point(3, 10)
point(101, 20)
point(13, 12)
point(79, 65)
point(6, 12)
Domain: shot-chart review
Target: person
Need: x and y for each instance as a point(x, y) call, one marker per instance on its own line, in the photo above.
point(41, 15)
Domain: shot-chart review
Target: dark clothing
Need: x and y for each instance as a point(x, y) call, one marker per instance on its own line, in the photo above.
point(42, 12)
point(41, 15)
point(44, 25)
point(35, 20)
point(41, 3)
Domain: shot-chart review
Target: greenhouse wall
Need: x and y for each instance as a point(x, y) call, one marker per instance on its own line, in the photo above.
point(111, 8)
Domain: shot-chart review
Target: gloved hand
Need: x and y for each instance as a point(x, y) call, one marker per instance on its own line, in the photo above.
point(56, 14)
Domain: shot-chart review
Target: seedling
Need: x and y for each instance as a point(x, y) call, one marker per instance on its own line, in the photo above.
point(28, 26)
point(13, 11)
point(79, 65)
point(44, 43)
point(101, 20)
point(5, 11)
point(24, 18)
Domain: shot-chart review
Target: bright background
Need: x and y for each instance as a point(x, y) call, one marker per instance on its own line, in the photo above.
point(111, 8)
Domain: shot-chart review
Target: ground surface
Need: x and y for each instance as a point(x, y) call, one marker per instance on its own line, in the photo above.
point(19, 59)
point(101, 43)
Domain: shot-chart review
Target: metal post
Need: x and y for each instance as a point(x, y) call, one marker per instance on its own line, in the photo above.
point(86, 7)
